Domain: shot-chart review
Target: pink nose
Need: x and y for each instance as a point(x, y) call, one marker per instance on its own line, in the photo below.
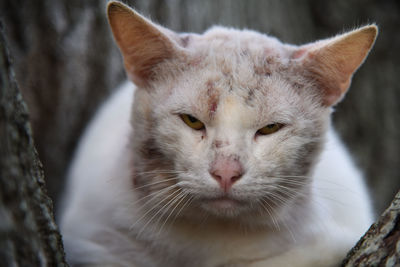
point(226, 171)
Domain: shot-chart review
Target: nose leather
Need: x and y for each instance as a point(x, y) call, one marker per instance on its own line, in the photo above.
point(226, 171)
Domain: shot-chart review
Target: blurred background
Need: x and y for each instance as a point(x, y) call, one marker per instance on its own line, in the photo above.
point(66, 64)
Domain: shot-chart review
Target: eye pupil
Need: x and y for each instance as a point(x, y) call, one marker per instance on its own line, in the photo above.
point(192, 122)
point(192, 119)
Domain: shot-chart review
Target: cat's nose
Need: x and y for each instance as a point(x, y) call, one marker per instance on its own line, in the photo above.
point(226, 171)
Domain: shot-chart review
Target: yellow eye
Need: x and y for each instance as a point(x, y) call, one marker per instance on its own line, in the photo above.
point(270, 128)
point(192, 122)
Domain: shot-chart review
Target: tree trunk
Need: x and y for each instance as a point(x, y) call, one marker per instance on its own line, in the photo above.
point(65, 64)
point(28, 233)
point(380, 246)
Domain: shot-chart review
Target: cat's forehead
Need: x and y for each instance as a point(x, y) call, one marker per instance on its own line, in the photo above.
point(232, 74)
point(235, 59)
point(234, 68)
point(220, 42)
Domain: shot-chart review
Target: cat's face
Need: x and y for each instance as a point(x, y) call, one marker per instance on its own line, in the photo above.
point(250, 124)
point(228, 124)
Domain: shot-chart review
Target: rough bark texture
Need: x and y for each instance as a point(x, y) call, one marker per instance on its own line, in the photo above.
point(28, 233)
point(65, 64)
point(380, 246)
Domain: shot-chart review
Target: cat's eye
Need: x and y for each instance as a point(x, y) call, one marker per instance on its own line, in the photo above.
point(192, 122)
point(270, 128)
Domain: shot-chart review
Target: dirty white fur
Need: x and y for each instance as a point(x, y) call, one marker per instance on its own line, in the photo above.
point(96, 225)
point(300, 201)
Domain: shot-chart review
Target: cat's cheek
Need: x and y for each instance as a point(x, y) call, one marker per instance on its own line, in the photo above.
point(197, 138)
point(261, 158)
point(188, 147)
point(274, 154)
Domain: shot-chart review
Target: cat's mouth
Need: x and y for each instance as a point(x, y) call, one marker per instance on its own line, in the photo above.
point(223, 203)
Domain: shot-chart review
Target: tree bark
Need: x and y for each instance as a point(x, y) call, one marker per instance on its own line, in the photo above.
point(28, 233)
point(380, 246)
point(66, 64)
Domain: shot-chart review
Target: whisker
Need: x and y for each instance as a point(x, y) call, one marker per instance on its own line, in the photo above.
point(315, 183)
point(155, 194)
point(284, 222)
point(316, 179)
point(288, 191)
point(278, 198)
point(161, 209)
point(160, 172)
point(182, 196)
point(290, 230)
point(292, 181)
point(293, 176)
point(306, 179)
point(157, 182)
point(183, 206)
point(170, 204)
point(317, 203)
point(154, 207)
point(316, 193)
point(274, 222)
point(283, 187)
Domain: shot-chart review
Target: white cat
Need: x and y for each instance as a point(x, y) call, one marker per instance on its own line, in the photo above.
point(225, 158)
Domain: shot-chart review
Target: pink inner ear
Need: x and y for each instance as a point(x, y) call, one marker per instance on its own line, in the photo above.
point(140, 61)
point(143, 44)
point(299, 53)
point(332, 62)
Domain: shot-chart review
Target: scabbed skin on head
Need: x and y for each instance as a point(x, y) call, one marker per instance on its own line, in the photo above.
point(235, 82)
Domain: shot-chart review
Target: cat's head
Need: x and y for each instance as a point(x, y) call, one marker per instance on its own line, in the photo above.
point(230, 123)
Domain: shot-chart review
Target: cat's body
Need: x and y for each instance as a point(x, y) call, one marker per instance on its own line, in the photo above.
point(97, 210)
point(222, 189)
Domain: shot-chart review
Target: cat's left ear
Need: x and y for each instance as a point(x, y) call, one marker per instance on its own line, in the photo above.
point(331, 63)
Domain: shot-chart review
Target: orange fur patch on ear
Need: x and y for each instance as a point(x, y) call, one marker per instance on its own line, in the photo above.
point(332, 62)
point(142, 43)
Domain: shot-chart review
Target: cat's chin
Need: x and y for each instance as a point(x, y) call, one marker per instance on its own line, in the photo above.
point(223, 202)
point(223, 206)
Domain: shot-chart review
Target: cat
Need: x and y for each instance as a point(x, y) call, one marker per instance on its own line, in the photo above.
point(219, 151)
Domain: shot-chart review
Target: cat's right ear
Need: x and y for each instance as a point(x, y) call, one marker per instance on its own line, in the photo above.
point(143, 44)
point(331, 63)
